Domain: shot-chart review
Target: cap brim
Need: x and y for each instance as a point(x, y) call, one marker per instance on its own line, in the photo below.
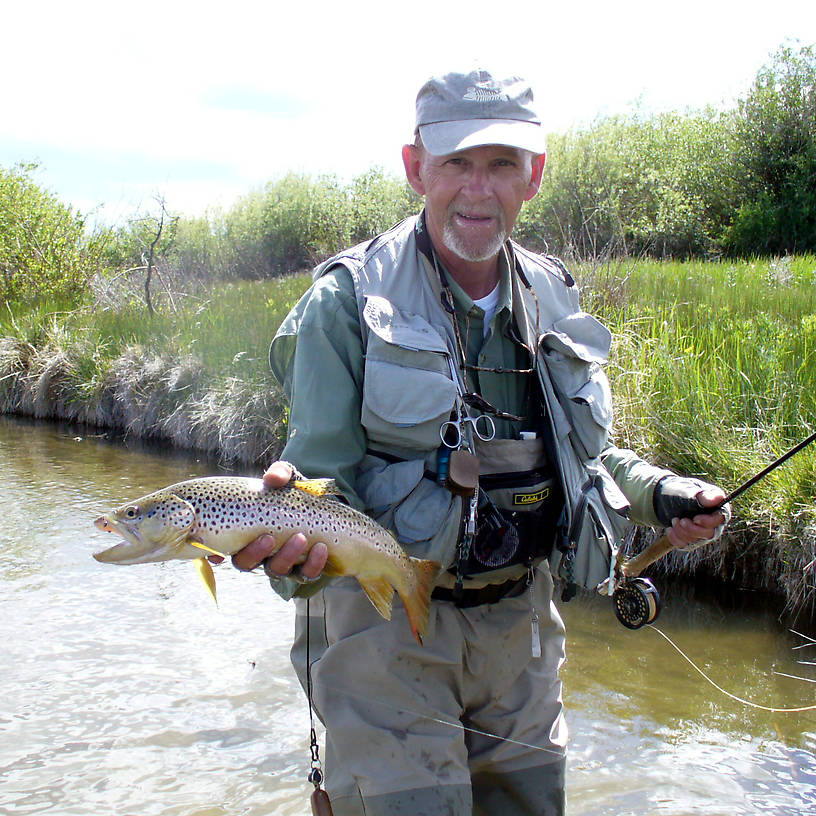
point(441, 138)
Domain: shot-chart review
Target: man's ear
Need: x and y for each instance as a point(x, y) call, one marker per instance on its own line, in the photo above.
point(412, 159)
point(536, 174)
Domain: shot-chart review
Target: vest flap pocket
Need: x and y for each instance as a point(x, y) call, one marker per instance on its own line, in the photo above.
point(608, 488)
point(422, 515)
point(597, 529)
point(597, 396)
point(393, 326)
point(405, 398)
point(407, 390)
point(384, 484)
point(580, 335)
point(573, 362)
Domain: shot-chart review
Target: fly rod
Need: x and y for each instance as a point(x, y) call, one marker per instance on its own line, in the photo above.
point(636, 599)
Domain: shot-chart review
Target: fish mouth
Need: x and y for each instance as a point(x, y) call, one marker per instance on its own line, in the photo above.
point(130, 551)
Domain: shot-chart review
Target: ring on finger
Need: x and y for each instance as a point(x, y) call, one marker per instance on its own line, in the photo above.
point(268, 571)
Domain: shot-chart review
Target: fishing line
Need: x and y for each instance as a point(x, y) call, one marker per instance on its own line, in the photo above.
point(795, 677)
point(811, 642)
point(452, 723)
point(719, 688)
point(469, 729)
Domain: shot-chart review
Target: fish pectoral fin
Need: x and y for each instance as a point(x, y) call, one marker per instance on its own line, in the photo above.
point(317, 487)
point(205, 572)
point(380, 593)
point(201, 546)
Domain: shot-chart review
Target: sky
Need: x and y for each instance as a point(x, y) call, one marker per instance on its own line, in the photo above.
point(201, 103)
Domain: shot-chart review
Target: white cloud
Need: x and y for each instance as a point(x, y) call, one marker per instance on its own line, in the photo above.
point(210, 100)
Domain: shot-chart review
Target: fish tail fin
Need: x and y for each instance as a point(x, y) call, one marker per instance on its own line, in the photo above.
point(380, 593)
point(418, 601)
point(205, 572)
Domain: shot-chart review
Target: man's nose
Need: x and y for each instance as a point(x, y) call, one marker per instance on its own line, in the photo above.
point(478, 182)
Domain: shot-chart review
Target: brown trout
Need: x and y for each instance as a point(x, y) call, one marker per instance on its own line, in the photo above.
point(222, 514)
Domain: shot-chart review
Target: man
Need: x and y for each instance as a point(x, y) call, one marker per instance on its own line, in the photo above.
point(437, 348)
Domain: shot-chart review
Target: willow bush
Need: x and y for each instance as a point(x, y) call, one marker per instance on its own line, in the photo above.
point(639, 185)
point(45, 252)
point(775, 136)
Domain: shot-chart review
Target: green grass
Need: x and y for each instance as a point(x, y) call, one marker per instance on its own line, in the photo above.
point(713, 370)
point(228, 328)
point(195, 374)
point(715, 351)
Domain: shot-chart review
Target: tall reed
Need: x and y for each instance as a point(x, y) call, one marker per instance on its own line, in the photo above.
point(713, 374)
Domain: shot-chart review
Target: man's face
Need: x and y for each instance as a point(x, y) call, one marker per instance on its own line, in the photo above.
point(473, 197)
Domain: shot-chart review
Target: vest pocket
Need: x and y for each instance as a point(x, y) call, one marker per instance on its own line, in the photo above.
point(424, 516)
point(405, 406)
point(597, 529)
point(407, 390)
point(573, 352)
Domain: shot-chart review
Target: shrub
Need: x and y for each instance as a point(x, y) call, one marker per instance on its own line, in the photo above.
point(633, 185)
point(45, 252)
point(776, 155)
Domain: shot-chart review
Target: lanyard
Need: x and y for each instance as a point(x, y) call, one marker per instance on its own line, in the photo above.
point(471, 398)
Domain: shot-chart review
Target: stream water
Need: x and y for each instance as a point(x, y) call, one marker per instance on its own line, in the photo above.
point(126, 692)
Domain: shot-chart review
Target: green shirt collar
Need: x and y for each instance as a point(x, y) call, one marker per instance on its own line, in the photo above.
point(464, 303)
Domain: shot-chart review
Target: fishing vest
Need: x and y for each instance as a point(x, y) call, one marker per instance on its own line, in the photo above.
point(409, 390)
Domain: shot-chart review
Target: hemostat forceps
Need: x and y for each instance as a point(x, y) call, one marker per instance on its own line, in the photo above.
point(451, 432)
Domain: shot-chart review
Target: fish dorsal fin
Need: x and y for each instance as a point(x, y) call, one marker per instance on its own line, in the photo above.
point(205, 572)
point(317, 487)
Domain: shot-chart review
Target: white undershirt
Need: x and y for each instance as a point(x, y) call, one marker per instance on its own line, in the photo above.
point(488, 305)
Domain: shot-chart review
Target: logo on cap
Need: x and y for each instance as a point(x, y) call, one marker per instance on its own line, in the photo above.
point(482, 92)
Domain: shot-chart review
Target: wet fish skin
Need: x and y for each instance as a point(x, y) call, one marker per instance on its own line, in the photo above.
point(222, 514)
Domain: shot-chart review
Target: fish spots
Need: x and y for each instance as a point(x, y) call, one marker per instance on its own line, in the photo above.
point(233, 510)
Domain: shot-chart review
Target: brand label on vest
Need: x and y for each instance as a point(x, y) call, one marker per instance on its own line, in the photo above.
point(523, 499)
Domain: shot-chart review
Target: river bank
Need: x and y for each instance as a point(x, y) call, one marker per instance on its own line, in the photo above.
point(709, 368)
point(148, 396)
point(240, 424)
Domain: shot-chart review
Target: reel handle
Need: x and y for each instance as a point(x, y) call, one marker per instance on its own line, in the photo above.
point(632, 567)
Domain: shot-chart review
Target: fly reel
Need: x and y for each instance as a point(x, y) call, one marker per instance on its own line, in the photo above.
point(637, 602)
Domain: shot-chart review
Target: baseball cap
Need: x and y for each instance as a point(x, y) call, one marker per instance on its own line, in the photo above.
point(457, 111)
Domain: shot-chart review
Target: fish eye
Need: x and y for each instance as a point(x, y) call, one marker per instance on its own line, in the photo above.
point(132, 512)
